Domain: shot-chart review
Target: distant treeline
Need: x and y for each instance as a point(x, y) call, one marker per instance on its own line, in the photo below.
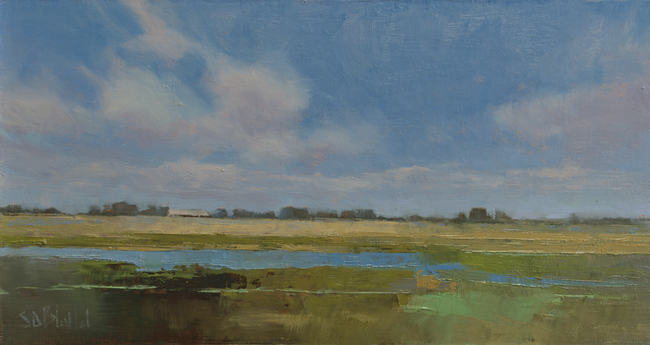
point(481, 215)
point(475, 215)
point(123, 208)
point(16, 209)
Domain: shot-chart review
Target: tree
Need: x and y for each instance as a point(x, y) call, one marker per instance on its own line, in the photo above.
point(326, 214)
point(460, 218)
point(242, 213)
point(153, 210)
point(220, 213)
point(12, 209)
point(574, 219)
point(94, 210)
point(291, 212)
point(359, 213)
point(501, 216)
point(266, 215)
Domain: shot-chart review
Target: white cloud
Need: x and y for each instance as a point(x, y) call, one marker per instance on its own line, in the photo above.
point(153, 110)
point(39, 110)
point(436, 179)
point(158, 36)
point(347, 140)
point(253, 110)
point(588, 119)
point(258, 111)
point(32, 173)
point(563, 172)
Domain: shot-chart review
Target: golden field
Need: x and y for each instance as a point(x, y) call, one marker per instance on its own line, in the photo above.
point(152, 233)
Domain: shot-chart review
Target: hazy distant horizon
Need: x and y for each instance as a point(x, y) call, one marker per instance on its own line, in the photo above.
point(491, 212)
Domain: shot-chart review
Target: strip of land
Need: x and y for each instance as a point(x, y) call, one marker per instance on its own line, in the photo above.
point(165, 233)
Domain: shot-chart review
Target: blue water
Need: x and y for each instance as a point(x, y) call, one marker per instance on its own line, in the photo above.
point(234, 259)
point(546, 282)
point(245, 259)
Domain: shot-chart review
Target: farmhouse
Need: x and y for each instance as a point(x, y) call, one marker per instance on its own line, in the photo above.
point(174, 212)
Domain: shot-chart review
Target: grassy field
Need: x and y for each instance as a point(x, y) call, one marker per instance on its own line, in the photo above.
point(113, 303)
point(157, 233)
point(517, 283)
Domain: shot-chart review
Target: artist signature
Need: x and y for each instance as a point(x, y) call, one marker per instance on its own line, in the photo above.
point(53, 317)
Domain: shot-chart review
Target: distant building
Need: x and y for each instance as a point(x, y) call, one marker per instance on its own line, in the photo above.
point(479, 214)
point(364, 213)
point(291, 212)
point(121, 208)
point(174, 212)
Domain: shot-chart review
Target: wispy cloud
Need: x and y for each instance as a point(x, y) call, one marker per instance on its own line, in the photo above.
point(257, 110)
point(564, 172)
point(589, 119)
point(592, 119)
point(37, 109)
point(433, 189)
point(157, 36)
point(251, 110)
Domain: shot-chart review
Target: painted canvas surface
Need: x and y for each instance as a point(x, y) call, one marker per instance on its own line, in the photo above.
point(324, 172)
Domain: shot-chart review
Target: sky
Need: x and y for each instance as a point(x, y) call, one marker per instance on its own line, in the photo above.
point(540, 109)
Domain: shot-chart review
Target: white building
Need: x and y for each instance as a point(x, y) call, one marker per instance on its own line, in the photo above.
point(174, 212)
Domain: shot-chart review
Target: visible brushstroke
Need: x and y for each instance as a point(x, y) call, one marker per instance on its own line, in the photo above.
point(157, 233)
point(234, 259)
point(242, 259)
point(485, 306)
point(295, 304)
point(328, 172)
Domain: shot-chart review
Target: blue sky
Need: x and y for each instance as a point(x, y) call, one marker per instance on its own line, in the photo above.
point(538, 108)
